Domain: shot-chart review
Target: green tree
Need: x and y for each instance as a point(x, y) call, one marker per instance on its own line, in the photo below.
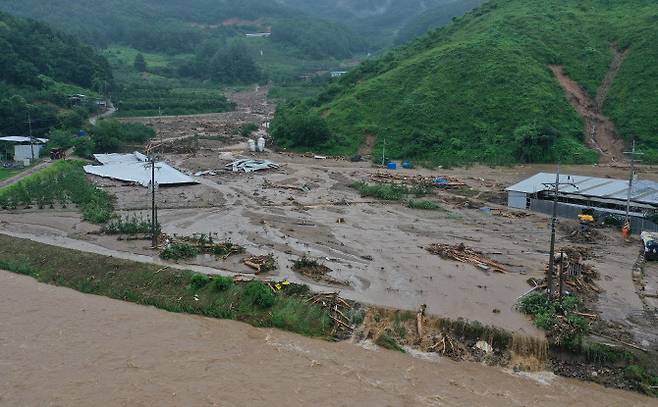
point(297, 126)
point(234, 65)
point(140, 63)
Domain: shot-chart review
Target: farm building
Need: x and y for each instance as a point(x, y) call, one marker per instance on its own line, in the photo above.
point(605, 195)
point(24, 147)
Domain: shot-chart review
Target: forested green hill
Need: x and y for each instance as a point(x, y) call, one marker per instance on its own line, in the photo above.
point(383, 22)
point(181, 26)
point(480, 89)
point(39, 69)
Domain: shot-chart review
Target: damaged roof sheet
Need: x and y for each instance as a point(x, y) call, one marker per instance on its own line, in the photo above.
point(643, 191)
point(22, 139)
point(135, 168)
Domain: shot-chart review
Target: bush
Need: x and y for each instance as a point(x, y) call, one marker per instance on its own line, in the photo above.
point(387, 192)
point(221, 283)
point(257, 294)
point(247, 129)
point(177, 251)
point(423, 204)
point(293, 314)
point(198, 281)
point(566, 332)
point(386, 341)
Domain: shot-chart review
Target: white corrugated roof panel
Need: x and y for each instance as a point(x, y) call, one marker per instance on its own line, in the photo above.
point(135, 168)
point(643, 191)
point(22, 139)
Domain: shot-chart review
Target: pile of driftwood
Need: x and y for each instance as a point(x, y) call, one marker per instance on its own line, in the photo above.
point(465, 254)
point(504, 213)
point(262, 264)
point(204, 244)
point(338, 310)
point(416, 180)
point(316, 271)
point(269, 184)
point(576, 275)
point(188, 145)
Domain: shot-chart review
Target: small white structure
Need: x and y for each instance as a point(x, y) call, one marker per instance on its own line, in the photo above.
point(338, 74)
point(260, 146)
point(135, 168)
point(24, 147)
point(258, 35)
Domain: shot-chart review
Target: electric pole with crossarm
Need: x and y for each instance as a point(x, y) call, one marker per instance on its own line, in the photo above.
point(555, 186)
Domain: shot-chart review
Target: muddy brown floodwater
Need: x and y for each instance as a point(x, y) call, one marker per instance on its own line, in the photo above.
point(59, 347)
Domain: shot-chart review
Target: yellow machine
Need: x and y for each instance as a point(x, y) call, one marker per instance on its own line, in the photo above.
point(586, 220)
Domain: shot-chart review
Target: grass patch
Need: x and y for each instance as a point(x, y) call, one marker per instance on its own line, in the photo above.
point(389, 192)
point(129, 225)
point(179, 251)
point(386, 341)
point(563, 327)
point(62, 183)
point(7, 173)
point(171, 290)
point(424, 204)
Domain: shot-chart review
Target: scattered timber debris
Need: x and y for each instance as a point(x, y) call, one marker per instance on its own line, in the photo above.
point(416, 180)
point(316, 271)
point(338, 310)
point(465, 254)
point(262, 264)
point(189, 145)
point(578, 277)
point(575, 233)
point(204, 244)
point(508, 214)
point(269, 184)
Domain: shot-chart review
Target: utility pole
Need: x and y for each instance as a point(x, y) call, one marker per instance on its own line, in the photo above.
point(154, 211)
point(384, 153)
point(551, 260)
point(632, 153)
point(29, 124)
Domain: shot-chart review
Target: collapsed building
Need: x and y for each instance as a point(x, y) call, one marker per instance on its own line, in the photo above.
point(607, 198)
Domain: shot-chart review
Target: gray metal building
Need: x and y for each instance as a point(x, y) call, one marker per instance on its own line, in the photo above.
point(605, 195)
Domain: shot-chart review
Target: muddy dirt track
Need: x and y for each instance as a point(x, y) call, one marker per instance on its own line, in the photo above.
point(59, 347)
point(600, 133)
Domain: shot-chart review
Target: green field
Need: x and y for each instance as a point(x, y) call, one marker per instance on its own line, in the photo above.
point(6, 173)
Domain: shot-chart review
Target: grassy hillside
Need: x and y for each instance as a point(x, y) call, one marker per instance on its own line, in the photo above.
point(480, 89)
point(39, 69)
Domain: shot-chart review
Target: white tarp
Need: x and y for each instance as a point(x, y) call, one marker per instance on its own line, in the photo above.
point(21, 139)
point(135, 168)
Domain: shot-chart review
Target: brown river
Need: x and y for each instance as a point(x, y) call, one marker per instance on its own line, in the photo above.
point(59, 347)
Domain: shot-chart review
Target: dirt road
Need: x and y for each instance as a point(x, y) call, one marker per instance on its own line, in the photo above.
point(59, 347)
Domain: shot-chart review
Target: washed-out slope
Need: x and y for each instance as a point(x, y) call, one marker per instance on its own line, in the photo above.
point(481, 88)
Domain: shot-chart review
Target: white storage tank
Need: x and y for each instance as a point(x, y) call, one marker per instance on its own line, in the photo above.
point(261, 144)
point(252, 145)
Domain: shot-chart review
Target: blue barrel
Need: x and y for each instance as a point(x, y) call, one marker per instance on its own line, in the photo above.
point(392, 166)
point(406, 165)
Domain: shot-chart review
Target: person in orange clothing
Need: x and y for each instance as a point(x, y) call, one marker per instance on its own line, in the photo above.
point(626, 231)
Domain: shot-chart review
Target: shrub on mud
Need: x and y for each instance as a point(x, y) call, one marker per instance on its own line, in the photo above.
point(198, 281)
point(178, 251)
point(221, 283)
point(258, 294)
